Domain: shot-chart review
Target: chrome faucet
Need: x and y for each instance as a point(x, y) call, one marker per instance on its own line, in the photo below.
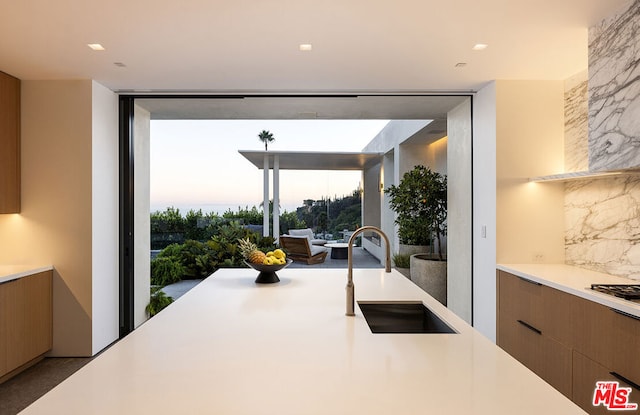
point(350, 286)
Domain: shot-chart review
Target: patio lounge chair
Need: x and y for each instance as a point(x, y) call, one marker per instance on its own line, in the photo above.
point(308, 233)
point(299, 249)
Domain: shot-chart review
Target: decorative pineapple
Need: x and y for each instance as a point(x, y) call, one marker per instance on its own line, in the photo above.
point(250, 251)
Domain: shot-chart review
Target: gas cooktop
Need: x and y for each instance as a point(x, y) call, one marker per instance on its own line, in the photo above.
point(626, 291)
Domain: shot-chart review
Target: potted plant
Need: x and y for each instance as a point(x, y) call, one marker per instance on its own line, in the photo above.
point(420, 202)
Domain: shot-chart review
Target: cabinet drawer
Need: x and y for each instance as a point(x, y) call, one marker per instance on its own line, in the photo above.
point(555, 365)
point(625, 330)
point(520, 299)
point(543, 355)
point(25, 320)
point(586, 373)
point(558, 316)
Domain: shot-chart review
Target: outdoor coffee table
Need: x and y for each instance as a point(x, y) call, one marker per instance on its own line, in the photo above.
point(338, 250)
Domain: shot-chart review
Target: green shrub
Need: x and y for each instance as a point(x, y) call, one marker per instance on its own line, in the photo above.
point(402, 260)
point(197, 260)
point(158, 301)
point(165, 271)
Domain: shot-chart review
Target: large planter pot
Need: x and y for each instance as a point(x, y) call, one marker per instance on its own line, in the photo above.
point(413, 249)
point(430, 274)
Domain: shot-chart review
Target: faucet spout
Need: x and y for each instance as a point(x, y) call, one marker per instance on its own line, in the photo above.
point(350, 287)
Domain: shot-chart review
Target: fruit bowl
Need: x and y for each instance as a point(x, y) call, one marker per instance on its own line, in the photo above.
point(267, 273)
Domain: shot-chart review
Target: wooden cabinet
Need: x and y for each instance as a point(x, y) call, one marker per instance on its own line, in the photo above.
point(568, 341)
point(593, 334)
point(25, 321)
point(625, 330)
point(9, 144)
point(586, 373)
point(522, 331)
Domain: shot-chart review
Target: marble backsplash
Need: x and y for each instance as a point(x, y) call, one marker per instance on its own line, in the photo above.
point(614, 91)
point(576, 149)
point(602, 216)
point(602, 225)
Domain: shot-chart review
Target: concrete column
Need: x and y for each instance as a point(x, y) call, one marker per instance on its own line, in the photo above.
point(276, 197)
point(265, 197)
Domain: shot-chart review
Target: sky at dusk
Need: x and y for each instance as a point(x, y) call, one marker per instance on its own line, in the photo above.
point(195, 164)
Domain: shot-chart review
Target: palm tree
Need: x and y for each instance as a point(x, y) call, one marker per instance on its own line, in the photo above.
point(266, 137)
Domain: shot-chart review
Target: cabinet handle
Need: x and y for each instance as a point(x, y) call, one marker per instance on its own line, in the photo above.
point(529, 326)
point(625, 380)
point(529, 281)
point(622, 313)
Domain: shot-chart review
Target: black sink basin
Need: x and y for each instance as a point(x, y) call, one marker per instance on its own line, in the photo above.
point(402, 317)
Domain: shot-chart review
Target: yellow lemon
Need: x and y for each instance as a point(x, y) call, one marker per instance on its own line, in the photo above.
point(279, 253)
point(270, 253)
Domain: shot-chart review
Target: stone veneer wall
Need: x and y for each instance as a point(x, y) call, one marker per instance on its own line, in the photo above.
point(614, 91)
point(576, 151)
point(602, 216)
point(602, 224)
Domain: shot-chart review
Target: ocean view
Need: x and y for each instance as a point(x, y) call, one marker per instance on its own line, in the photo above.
point(218, 208)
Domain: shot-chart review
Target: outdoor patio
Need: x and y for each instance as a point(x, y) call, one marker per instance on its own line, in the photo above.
point(361, 259)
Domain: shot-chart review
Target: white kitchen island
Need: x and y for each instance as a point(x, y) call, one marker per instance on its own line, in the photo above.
point(230, 346)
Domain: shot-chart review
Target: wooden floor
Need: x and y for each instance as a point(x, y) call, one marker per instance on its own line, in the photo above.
point(19, 392)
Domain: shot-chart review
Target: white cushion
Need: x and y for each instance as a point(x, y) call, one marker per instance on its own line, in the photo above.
point(315, 249)
point(302, 232)
point(308, 233)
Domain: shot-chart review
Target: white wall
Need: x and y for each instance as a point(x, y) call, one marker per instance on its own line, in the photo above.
point(372, 196)
point(435, 156)
point(142, 221)
point(105, 217)
point(389, 177)
point(484, 211)
point(518, 133)
point(68, 218)
point(530, 142)
point(459, 215)
point(411, 155)
point(393, 133)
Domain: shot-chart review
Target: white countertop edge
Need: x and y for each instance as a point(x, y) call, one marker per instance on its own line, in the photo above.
point(14, 272)
point(576, 281)
point(326, 363)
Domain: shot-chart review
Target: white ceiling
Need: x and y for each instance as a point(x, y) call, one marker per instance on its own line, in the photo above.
point(252, 45)
point(408, 107)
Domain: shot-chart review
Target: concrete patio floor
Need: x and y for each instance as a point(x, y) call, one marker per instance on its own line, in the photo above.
point(361, 259)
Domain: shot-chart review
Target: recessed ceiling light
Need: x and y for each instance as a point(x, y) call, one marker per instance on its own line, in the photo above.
point(461, 64)
point(479, 46)
point(306, 47)
point(96, 46)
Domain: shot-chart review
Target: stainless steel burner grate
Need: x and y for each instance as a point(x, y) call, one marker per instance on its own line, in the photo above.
point(626, 291)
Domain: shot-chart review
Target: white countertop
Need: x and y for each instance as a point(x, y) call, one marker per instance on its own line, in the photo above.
point(13, 272)
point(576, 281)
point(230, 346)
